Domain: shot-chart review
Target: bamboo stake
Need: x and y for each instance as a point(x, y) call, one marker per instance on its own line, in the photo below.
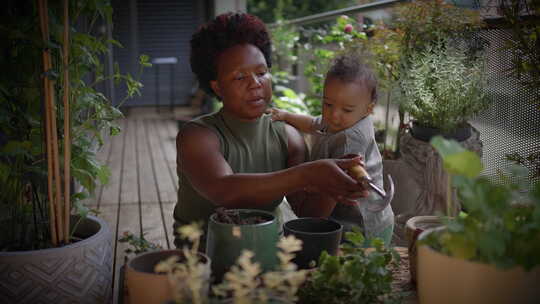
point(45, 55)
point(67, 126)
point(50, 106)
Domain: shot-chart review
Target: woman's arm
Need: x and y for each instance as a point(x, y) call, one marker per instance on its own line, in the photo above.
point(200, 160)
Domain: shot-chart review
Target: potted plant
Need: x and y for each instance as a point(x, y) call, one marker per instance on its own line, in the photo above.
point(234, 230)
point(491, 255)
point(50, 118)
point(442, 90)
point(149, 276)
point(245, 283)
point(356, 275)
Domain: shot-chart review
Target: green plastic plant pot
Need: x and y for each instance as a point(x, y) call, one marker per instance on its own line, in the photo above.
point(316, 234)
point(225, 242)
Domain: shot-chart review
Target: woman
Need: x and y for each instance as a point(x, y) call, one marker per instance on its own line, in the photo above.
point(238, 157)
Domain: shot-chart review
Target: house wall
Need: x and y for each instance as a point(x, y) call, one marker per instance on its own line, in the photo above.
point(159, 29)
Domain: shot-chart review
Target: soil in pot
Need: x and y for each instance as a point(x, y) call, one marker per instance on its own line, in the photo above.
point(237, 217)
point(317, 235)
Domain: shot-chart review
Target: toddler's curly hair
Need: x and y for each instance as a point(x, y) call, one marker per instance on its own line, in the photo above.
point(223, 32)
point(350, 68)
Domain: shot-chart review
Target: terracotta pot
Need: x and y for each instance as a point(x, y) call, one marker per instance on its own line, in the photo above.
point(414, 226)
point(147, 287)
point(225, 242)
point(447, 280)
point(77, 273)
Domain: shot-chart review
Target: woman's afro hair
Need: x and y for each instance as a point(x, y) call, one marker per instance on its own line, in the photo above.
point(223, 32)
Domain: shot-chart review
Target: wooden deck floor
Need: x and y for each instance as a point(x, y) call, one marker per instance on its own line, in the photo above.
point(141, 193)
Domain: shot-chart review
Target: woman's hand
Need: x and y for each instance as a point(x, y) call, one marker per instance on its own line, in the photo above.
point(329, 177)
point(277, 114)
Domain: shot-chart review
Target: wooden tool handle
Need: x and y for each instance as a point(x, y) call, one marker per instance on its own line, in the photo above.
point(358, 172)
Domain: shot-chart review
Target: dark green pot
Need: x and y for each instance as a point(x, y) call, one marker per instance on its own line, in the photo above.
point(225, 242)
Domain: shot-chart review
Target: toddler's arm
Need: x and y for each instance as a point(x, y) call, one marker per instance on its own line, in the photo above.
point(304, 123)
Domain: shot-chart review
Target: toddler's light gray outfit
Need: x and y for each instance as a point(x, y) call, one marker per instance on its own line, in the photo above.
point(358, 139)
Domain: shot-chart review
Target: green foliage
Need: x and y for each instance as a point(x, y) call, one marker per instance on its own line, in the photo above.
point(137, 244)
point(521, 17)
point(456, 159)
point(273, 10)
point(502, 225)
point(324, 44)
point(443, 88)
point(23, 159)
point(358, 275)
point(424, 22)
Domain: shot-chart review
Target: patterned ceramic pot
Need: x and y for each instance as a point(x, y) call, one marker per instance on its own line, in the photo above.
point(77, 273)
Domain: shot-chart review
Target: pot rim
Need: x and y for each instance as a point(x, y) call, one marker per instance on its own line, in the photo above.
point(212, 218)
point(103, 229)
point(164, 251)
point(311, 219)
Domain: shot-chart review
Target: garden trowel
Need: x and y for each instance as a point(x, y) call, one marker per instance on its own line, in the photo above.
point(361, 175)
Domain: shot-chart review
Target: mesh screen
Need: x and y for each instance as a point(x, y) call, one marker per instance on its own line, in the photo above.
point(512, 122)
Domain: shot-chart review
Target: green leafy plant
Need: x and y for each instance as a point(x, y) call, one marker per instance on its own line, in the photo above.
point(323, 44)
point(502, 224)
point(137, 244)
point(357, 275)
point(23, 151)
point(521, 18)
point(443, 88)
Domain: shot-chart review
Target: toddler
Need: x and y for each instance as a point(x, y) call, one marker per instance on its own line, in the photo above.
point(346, 127)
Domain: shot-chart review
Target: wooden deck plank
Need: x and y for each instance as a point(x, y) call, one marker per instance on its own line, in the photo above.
point(152, 214)
point(168, 133)
point(111, 190)
point(147, 184)
point(168, 208)
point(130, 171)
point(165, 184)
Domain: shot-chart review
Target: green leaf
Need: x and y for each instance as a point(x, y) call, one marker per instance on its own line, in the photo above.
point(456, 159)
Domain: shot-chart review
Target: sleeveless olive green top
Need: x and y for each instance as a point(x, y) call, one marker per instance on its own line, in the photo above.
point(249, 147)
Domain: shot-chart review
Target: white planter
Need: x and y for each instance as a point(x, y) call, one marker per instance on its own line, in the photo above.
point(76, 273)
point(447, 280)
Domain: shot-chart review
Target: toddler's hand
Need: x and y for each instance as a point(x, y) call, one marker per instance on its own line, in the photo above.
point(277, 114)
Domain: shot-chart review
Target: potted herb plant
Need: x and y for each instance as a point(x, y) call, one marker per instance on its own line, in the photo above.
point(442, 90)
point(356, 275)
point(245, 283)
point(150, 274)
point(490, 255)
point(51, 116)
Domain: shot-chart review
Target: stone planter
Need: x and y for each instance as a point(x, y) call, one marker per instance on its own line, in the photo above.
point(77, 273)
point(147, 287)
point(447, 280)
